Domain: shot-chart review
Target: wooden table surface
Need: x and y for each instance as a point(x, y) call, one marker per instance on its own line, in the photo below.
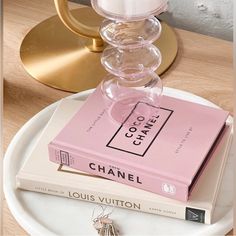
point(203, 67)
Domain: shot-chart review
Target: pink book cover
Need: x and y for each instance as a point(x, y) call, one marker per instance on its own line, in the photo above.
point(162, 151)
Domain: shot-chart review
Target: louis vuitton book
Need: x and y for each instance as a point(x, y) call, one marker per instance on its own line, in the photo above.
point(41, 175)
point(162, 151)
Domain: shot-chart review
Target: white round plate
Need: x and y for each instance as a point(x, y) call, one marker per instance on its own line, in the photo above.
point(41, 214)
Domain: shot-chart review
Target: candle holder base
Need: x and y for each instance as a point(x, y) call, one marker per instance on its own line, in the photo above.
point(55, 56)
point(125, 94)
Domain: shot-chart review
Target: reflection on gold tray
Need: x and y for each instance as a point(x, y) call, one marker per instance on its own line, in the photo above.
point(55, 56)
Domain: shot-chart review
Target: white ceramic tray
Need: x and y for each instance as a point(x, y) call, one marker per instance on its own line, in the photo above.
point(41, 214)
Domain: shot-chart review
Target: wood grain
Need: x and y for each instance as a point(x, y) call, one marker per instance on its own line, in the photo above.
point(203, 66)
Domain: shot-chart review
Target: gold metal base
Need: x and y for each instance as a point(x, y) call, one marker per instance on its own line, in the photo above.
point(55, 56)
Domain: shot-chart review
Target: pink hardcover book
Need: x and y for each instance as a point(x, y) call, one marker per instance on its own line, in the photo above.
point(162, 150)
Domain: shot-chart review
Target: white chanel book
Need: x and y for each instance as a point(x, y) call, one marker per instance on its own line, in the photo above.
point(38, 174)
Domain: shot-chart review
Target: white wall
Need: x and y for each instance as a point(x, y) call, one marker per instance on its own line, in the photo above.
point(210, 17)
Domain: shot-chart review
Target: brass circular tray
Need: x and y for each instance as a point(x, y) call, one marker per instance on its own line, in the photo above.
point(55, 56)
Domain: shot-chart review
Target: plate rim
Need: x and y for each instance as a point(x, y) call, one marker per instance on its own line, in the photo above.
point(27, 222)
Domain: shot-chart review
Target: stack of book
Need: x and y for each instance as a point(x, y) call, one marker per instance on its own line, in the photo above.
point(169, 161)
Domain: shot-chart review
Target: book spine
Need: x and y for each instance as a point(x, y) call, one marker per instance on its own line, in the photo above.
point(161, 208)
point(165, 187)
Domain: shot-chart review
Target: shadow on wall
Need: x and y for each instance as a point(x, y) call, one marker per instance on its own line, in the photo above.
point(210, 17)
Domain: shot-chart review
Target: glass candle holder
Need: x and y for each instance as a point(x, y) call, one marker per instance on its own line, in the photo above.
point(131, 59)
